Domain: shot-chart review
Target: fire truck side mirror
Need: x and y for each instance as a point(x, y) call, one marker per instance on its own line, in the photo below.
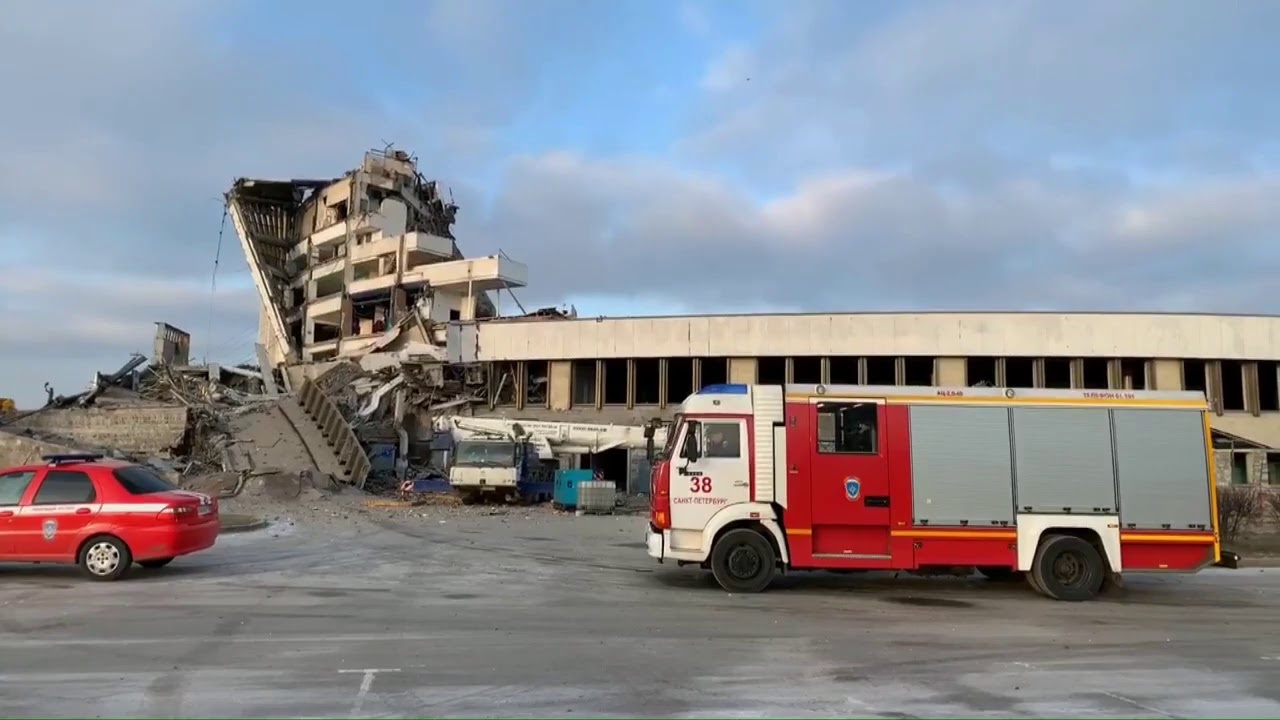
point(690, 450)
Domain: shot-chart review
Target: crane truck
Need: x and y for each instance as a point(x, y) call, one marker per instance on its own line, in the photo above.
point(506, 459)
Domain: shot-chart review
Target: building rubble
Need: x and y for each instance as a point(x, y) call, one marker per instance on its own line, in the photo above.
point(366, 354)
point(401, 402)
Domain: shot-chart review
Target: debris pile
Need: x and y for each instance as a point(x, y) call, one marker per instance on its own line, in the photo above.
point(210, 404)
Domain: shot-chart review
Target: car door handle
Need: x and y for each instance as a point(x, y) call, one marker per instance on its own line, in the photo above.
point(6, 513)
point(741, 483)
point(83, 511)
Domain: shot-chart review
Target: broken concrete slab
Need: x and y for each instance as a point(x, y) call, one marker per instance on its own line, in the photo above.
point(149, 429)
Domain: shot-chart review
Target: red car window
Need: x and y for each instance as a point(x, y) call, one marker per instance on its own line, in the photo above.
point(65, 487)
point(13, 485)
point(138, 480)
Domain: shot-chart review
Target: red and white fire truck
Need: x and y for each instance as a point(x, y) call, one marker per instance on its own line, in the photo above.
point(1064, 486)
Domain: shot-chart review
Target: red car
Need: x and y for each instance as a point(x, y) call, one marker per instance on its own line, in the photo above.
point(101, 514)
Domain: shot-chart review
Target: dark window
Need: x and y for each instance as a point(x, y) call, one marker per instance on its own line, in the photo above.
point(535, 382)
point(13, 485)
point(847, 428)
point(882, 371)
point(615, 381)
point(1019, 372)
point(455, 314)
point(1193, 376)
point(1057, 373)
point(1097, 373)
point(980, 371)
point(806, 370)
point(1268, 387)
point(679, 380)
point(1232, 385)
point(139, 480)
point(722, 440)
point(648, 386)
point(917, 371)
point(1133, 374)
point(771, 370)
point(714, 371)
point(584, 382)
point(65, 487)
point(844, 371)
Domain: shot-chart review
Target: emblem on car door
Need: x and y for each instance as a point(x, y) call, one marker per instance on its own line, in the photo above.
point(852, 488)
point(50, 529)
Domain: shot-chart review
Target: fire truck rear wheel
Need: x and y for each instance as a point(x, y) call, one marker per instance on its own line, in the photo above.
point(1068, 568)
point(743, 561)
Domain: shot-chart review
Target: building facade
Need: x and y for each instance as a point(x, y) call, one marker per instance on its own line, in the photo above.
point(626, 370)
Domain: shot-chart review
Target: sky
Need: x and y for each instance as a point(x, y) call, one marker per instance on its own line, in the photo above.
point(645, 157)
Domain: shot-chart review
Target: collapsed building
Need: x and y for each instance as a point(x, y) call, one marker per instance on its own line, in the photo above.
point(338, 262)
point(365, 293)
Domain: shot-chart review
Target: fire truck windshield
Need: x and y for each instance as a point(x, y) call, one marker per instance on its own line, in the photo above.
point(481, 453)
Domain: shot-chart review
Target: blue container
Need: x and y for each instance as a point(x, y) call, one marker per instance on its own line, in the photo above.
point(566, 491)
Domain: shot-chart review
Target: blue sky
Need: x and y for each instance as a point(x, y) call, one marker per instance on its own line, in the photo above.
point(647, 157)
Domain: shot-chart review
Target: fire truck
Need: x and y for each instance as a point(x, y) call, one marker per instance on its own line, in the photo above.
point(1066, 488)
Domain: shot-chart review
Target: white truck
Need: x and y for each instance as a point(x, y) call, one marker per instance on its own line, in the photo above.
point(503, 458)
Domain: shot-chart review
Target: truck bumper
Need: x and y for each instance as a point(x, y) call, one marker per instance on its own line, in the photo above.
point(655, 542)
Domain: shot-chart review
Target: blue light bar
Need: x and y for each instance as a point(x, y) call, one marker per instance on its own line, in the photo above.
point(723, 390)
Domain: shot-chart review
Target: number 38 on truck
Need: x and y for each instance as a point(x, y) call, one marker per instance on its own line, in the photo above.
point(1065, 487)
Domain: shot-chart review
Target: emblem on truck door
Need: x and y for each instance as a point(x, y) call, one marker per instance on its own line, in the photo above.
point(852, 488)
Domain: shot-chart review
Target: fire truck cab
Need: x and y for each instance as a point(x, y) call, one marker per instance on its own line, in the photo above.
point(1066, 487)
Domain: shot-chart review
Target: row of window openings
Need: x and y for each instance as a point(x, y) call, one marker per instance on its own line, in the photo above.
point(1235, 385)
point(1054, 373)
point(883, 370)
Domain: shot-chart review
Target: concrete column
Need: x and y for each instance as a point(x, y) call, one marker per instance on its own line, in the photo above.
point(1166, 375)
point(952, 372)
point(348, 312)
point(560, 384)
point(742, 371)
point(662, 382)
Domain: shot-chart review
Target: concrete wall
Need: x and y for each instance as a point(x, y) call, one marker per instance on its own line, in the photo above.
point(742, 370)
point(930, 334)
point(21, 450)
point(1263, 429)
point(951, 372)
point(147, 429)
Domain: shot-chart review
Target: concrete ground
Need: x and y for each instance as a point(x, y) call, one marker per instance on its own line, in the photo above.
point(430, 613)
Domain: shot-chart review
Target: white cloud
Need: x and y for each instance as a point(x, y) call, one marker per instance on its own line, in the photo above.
point(874, 240)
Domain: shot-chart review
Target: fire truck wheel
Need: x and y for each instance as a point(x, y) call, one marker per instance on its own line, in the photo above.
point(743, 561)
point(1035, 584)
point(1068, 568)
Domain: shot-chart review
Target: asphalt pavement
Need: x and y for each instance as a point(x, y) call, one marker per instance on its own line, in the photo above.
point(562, 616)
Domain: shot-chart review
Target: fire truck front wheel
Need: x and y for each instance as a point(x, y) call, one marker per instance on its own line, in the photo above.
point(1068, 568)
point(743, 561)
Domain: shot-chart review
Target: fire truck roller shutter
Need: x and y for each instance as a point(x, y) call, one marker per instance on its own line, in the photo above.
point(1163, 470)
point(961, 468)
point(1063, 461)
